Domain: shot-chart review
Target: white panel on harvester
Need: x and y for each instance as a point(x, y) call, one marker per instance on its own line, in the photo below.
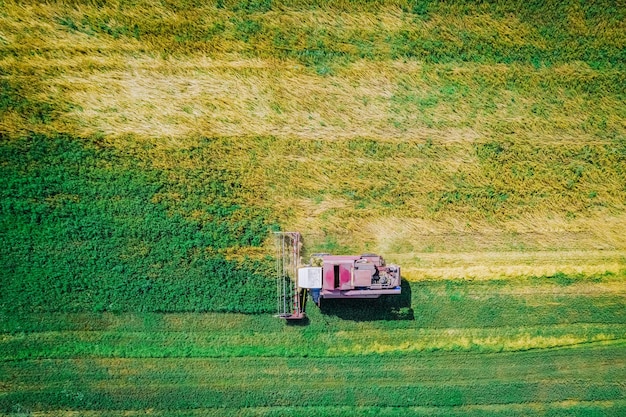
point(310, 277)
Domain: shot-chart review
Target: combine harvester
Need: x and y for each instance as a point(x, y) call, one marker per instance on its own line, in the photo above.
point(327, 276)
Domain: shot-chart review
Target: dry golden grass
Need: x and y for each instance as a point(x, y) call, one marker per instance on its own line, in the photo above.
point(115, 83)
point(512, 264)
point(154, 97)
point(159, 87)
point(305, 187)
point(451, 249)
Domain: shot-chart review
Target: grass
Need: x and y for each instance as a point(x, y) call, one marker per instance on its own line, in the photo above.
point(148, 148)
point(135, 68)
point(330, 383)
point(141, 211)
point(543, 345)
point(468, 127)
point(85, 228)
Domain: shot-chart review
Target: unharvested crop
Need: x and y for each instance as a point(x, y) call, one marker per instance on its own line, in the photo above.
point(148, 148)
point(465, 127)
point(90, 228)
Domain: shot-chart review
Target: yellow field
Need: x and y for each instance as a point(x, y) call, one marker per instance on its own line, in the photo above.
point(296, 130)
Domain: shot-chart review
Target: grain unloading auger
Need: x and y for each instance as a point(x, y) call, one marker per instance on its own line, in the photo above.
point(327, 276)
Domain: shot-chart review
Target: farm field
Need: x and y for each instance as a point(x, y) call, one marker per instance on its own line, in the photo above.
point(149, 148)
point(539, 346)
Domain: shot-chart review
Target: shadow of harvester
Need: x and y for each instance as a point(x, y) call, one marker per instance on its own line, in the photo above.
point(387, 307)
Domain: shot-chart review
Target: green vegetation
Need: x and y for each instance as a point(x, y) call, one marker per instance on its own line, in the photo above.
point(90, 228)
point(435, 384)
point(148, 148)
point(12, 99)
point(87, 226)
point(541, 345)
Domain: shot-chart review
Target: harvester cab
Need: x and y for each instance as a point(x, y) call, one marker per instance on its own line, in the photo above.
point(327, 276)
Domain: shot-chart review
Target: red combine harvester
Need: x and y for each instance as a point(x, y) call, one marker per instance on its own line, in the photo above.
point(327, 276)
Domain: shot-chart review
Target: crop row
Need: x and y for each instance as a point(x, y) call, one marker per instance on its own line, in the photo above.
point(376, 394)
point(539, 301)
point(589, 375)
point(155, 344)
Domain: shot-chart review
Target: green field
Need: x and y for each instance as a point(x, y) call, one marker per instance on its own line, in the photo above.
point(552, 346)
point(149, 148)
